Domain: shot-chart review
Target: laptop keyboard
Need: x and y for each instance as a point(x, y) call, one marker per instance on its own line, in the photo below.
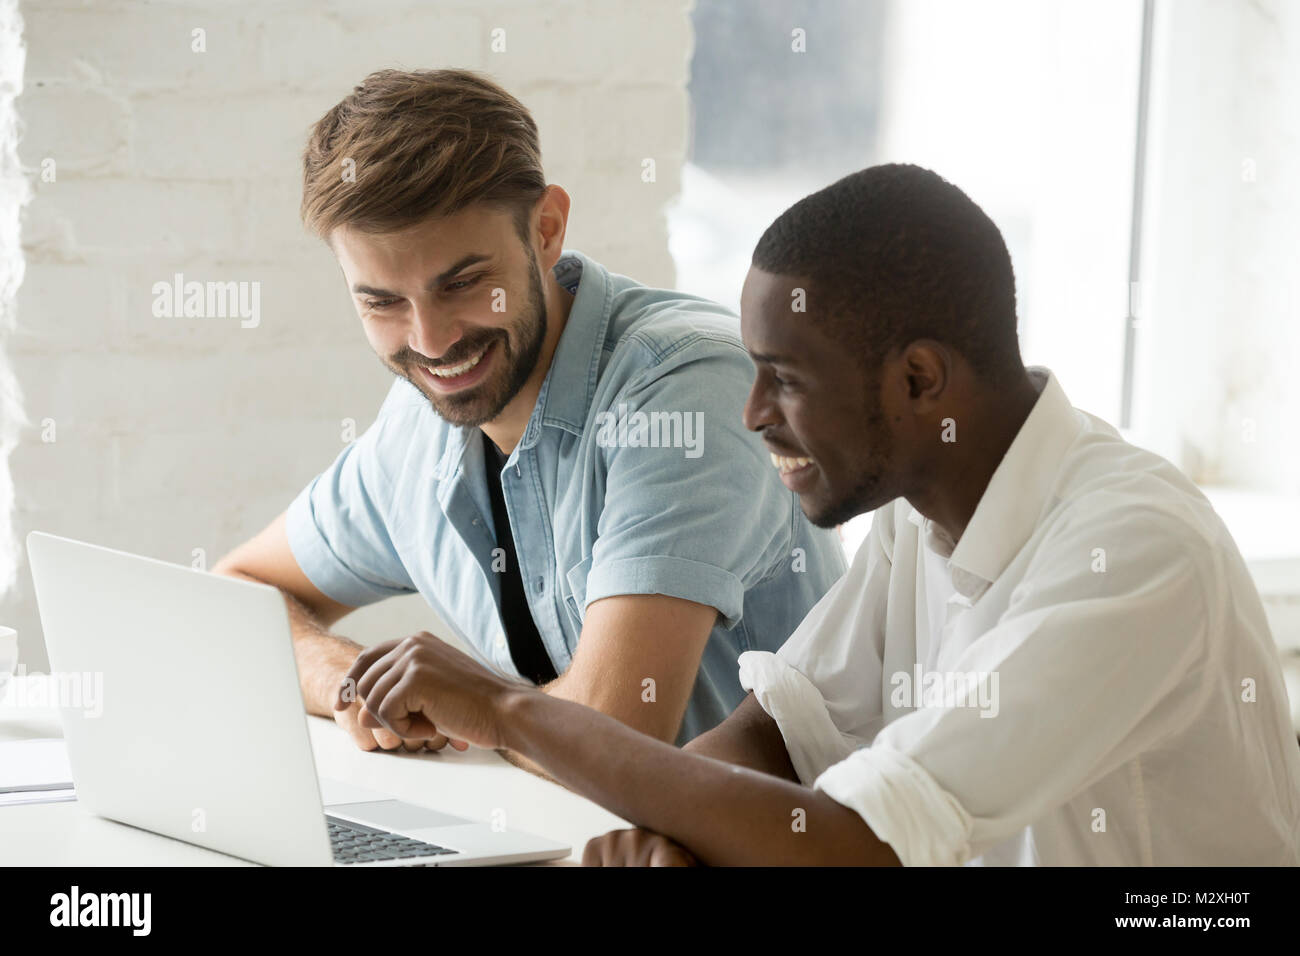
point(354, 843)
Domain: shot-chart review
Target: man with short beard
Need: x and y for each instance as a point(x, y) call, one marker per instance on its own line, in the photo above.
point(560, 469)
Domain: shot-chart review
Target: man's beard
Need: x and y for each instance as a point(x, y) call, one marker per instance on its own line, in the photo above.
point(866, 494)
point(861, 499)
point(486, 400)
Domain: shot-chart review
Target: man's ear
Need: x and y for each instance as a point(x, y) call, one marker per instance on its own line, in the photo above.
point(927, 369)
point(552, 220)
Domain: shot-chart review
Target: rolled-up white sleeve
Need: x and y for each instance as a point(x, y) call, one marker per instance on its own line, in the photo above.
point(1092, 669)
point(811, 738)
point(823, 687)
point(894, 796)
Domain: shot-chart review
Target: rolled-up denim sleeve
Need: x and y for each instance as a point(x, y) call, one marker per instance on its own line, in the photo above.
point(704, 520)
point(338, 526)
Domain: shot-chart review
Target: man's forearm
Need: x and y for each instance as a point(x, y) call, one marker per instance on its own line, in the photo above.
point(523, 763)
point(322, 657)
point(565, 687)
point(748, 738)
point(722, 813)
point(555, 687)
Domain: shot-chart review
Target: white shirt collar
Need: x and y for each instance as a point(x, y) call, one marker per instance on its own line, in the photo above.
point(1013, 502)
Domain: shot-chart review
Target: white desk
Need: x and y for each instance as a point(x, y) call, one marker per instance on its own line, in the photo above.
point(472, 785)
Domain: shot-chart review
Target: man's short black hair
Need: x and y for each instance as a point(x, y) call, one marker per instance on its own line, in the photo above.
point(896, 253)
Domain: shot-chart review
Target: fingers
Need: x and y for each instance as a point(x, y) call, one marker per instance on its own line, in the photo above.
point(363, 738)
point(347, 691)
point(382, 690)
point(392, 716)
point(377, 690)
point(610, 849)
point(379, 668)
point(368, 736)
point(373, 736)
point(386, 739)
point(635, 847)
point(397, 728)
point(665, 852)
point(403, 703)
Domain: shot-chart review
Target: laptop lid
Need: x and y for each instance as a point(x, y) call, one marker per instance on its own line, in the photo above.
point(201, 734)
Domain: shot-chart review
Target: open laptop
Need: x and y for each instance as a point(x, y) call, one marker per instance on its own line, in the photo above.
point(202, 734)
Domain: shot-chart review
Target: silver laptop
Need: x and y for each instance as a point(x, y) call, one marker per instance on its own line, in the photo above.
point(202, 734)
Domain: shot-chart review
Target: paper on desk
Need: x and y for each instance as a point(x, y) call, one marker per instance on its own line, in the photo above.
point(36, 796)
point(35, 771)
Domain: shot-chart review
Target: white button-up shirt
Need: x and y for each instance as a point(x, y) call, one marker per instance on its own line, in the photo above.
point(1087, 677)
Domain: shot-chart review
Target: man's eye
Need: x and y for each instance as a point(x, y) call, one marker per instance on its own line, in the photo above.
point(380, 303)
point(461, 284)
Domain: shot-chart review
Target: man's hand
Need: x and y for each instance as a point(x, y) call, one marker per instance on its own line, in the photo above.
point(365, 738)
point(421, 688)
point(635, 847)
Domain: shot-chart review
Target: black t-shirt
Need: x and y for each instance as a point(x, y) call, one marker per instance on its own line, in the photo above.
point(526, 648)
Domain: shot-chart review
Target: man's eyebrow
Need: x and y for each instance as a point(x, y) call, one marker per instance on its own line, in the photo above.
point(774, 358)
point(464, 262)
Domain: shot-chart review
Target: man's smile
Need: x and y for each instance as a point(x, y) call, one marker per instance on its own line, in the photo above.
point(796, 472)
point(454, 378)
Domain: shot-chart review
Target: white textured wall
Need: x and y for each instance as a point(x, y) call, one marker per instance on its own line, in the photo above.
point(14, 192)
point(171, 435)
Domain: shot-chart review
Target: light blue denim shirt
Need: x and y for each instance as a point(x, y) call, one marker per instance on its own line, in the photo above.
point(635, 475)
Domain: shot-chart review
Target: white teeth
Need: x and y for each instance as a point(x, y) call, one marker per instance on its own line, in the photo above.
point(786, 465)
point(455, 370)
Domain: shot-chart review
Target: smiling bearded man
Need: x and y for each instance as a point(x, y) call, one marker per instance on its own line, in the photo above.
point(624, 574)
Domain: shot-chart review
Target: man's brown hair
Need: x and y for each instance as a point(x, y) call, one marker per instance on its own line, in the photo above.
point(406, 146)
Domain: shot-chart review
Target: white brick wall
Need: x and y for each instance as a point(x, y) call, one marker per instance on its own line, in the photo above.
point(174, 434)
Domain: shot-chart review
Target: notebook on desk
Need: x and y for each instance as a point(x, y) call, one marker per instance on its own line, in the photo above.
point(35, 771)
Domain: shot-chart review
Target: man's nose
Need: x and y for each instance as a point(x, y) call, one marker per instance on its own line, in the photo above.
point(758, 412)
point(431, 334)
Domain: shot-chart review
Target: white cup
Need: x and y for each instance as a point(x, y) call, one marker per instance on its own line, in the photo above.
point(8, 655)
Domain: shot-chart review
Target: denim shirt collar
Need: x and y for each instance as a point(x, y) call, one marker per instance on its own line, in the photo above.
point(570, 384)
